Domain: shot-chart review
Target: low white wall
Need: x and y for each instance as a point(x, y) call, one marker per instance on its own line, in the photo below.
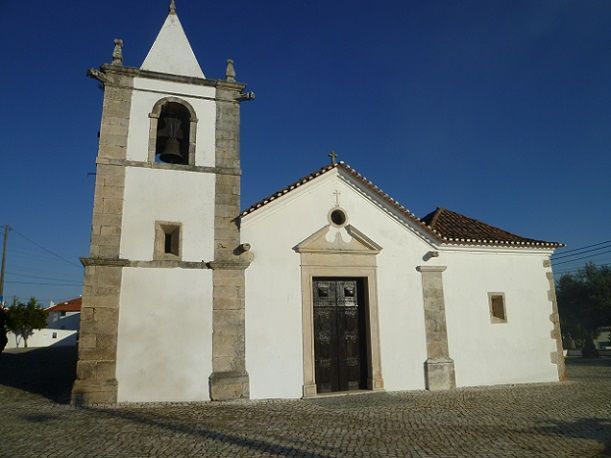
point(486, 353)
point(44, 338)
point(165, 335)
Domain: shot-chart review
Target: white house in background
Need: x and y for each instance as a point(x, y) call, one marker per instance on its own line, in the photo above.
point(327, 285)
point(603, 339)
point(65, 315)
point(63, 321)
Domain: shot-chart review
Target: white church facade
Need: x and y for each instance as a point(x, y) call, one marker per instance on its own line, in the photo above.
point(328, 285)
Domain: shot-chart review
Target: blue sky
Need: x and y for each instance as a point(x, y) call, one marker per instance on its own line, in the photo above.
point(498, 110)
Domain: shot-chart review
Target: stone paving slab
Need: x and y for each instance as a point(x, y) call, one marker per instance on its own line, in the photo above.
point(539, 420)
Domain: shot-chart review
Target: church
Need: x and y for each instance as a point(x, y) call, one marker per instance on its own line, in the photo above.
point(328, 285)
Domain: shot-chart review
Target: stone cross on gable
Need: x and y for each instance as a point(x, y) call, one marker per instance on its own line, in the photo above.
point(172, 7)
point(336, 193)
point(333, 156)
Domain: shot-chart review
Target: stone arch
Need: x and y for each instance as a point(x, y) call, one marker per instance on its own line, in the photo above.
point(154, 117)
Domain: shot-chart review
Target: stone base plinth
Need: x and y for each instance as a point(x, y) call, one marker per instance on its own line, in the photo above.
point(439, 374)
point(227, 386)
point(375, 384)
point(309, 390)
point(87, 393)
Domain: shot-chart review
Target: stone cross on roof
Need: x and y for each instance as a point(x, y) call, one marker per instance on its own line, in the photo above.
point(333, 156)
point(172, 7)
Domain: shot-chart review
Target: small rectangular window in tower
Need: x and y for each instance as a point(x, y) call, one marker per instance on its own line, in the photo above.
point(167, 241)
point(497, 307)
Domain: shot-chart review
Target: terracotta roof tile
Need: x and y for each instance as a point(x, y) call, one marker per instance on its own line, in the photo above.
point(443, 225)
point(72, 305)
point(460, 229)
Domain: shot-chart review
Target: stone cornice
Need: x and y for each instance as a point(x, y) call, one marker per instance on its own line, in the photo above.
point(157, 264)
point(116, 262)
point(228, 265)
point(137, 72)
point(431, 268)
point(164, 166)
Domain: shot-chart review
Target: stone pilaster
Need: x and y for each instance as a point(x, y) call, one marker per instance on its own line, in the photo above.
point(97, 353)
point(557, 357)
point(439, 367)
point(229, 379)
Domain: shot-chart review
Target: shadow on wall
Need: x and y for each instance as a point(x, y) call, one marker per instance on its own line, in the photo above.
point(48, 371)
point(45, 337)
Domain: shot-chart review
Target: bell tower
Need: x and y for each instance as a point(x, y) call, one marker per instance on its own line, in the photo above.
point(163, 300)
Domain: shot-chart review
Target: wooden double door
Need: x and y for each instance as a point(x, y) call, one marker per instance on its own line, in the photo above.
point(340, 343)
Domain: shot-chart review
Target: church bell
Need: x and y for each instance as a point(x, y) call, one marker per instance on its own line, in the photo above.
point(173, 133)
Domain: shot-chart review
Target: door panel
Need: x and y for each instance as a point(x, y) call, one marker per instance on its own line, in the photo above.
point(337, 335)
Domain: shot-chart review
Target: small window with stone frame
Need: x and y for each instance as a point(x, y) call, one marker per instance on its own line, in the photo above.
point(167, 241)
point(496, 303)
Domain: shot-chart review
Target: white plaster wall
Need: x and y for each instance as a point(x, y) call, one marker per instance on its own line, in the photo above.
point(168, 195)
point(485, 353)
point(273, 288)
point(171, 52)
point(165, 335)
point(144, 97)
point(44, 338)
point(72, 320)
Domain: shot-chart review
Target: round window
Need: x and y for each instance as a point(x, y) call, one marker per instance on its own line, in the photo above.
point(338, 217)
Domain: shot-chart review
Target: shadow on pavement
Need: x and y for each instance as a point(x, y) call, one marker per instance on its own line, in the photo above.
point(585, 428)
point(48, 372)
point(198, 430)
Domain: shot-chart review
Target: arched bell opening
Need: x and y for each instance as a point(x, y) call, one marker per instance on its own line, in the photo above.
point(173, 134)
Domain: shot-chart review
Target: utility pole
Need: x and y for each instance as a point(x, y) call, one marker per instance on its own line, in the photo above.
point(6, 229)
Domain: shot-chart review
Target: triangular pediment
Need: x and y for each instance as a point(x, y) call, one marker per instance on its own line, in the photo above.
point(171, 52)
point(331, 239)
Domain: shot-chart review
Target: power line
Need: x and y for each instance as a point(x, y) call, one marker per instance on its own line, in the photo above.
point(577, 269)
point(24, 299)
point(34, 258)
point(17, 274)
point(39, 283)
point(584, 247)
point(59, 256)
point(584, 257)
point(21, 252)
point(586, 251)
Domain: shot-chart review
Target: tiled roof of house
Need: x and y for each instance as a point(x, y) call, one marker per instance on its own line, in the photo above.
point(454, 228)
point(72, 305)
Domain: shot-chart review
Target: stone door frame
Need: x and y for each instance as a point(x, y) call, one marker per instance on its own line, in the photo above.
point(340, 265)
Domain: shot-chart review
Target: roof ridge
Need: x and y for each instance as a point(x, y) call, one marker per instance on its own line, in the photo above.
point(484, 223)
point(489, 239)
point(295, 184)
point(438, 213)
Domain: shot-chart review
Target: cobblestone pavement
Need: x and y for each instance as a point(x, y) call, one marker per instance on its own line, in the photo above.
point(551, 420)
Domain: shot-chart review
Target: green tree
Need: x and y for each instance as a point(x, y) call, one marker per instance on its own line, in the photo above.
point(23, 319)
point(584, 304)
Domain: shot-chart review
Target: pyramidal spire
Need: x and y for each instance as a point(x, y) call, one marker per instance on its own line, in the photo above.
point(171, 52)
